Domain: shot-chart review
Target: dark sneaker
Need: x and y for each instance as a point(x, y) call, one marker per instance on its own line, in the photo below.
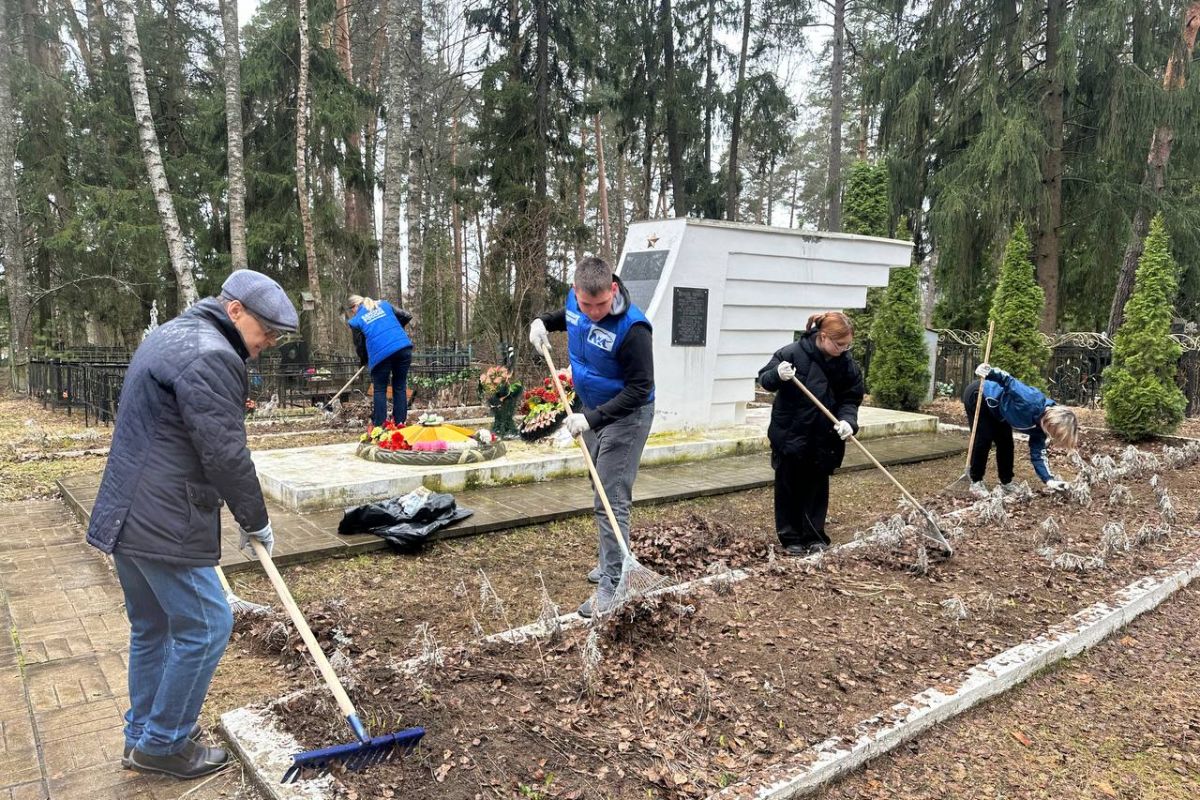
point(798, 550)
point(193, 761)
point(601, 602)
point(595, 575)
point(195, 734)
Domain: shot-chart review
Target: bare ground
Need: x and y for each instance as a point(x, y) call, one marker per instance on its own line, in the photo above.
point(1122, 721)
point(687, 702)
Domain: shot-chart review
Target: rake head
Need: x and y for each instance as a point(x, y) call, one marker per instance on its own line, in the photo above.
point(353, 756)
point(637, 580)
point(244, 608)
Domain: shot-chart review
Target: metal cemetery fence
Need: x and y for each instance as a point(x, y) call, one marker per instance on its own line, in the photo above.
point(88, 380)
point(1074, 373)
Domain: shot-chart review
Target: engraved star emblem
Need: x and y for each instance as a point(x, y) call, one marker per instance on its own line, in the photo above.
point(652, 240)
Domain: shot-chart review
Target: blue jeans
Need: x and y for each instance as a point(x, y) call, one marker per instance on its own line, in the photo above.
point(391, 370)
point(179, 625)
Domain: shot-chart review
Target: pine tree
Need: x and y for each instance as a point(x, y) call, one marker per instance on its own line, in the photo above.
point(899, 366)
point(1017, 304)
point(1141, 397)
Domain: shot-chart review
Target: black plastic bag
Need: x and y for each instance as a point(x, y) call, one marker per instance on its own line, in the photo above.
point(405, 522)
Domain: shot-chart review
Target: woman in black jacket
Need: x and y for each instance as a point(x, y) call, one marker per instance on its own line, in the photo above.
point(805, 446)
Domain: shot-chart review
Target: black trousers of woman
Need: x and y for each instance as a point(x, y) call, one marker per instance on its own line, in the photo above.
point(801, 501)
point(988, 431)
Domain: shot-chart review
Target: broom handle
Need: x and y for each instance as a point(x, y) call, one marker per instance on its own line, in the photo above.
point(987, 356)
point(353, 378)
point(865, 451)
point(310, 641)
point(587, 458)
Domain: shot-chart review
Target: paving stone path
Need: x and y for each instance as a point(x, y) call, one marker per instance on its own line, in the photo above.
point(64, 635)
point(62, 669)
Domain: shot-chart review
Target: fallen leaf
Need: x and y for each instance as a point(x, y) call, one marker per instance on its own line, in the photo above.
point(1022, 738)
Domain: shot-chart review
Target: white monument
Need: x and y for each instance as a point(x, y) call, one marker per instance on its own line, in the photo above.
point(724, 296)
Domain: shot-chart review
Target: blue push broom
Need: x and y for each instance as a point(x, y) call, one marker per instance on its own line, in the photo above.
point(368, 750)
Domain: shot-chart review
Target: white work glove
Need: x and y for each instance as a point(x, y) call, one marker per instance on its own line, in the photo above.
point(786, 371)
point(1055, 485)
point(576, 424)
point(266, 536)
point(538, 337)
point(983, 370)
point(843, 429)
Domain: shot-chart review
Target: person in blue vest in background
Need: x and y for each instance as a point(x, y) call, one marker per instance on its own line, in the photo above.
point(1010, 405)
point(612, 366)
point(383, 346)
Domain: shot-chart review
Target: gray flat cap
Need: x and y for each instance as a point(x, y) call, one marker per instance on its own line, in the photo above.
point(262, 297)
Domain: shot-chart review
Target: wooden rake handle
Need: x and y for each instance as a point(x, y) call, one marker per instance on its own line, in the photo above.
point(867, 453)
point(353, 378)
point(310, 641)
point(587, 458)
point(987, 356)
point(224, 581)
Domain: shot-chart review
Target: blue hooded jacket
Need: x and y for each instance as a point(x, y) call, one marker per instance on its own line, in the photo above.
point(1021, 406)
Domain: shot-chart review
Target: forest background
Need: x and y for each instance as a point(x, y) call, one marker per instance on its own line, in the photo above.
point(465, 157)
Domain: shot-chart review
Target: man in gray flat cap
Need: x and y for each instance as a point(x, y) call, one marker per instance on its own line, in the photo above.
point(178, 454)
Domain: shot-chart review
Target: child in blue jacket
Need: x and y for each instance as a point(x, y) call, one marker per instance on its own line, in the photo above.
point(1010, 405)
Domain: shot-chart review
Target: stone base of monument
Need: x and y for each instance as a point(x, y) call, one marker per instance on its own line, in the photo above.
point(332, 476)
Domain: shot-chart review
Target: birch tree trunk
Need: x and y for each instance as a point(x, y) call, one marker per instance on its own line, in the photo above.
point(1155, 177)
point(233, 126)
point(319, 328)
point(16, 271)
point(395, 153)
point(185, 282)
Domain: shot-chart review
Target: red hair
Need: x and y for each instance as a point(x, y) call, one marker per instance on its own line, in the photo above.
point(833, 324)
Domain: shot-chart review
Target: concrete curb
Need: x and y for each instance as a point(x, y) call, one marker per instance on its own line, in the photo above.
point(266, 753)
point(873, 737)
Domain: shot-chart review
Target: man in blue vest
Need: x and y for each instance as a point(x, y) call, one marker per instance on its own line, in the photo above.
point(612, 366)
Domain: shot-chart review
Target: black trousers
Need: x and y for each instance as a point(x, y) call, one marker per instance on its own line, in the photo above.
point(801, 501)
point(989, 431)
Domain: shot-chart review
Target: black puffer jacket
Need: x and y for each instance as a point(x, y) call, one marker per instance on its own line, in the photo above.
point(798, 428)
point(179, 445)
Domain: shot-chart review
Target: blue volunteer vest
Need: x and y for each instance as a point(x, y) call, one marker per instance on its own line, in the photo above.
point(383, 331)
point(593, 346)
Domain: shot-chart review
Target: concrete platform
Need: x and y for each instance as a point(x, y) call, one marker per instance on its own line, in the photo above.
point(308, 479)
point(309, 537)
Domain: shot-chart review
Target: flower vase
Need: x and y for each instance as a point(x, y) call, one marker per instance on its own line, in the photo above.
point(504, 408)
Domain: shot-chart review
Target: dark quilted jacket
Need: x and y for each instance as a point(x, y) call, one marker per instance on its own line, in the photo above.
point(179, 445)
point(798, 428)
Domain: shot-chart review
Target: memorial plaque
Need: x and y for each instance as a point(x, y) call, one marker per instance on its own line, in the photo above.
point(640, 274)
point(689, 317)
